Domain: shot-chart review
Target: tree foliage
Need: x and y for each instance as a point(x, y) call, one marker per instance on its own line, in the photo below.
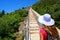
point(3, 12)
point(9, 23)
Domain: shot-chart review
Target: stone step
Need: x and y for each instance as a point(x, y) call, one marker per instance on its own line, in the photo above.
point(33, 28)
point(31, 16)
point(32, 19)
point(34, 31)
point(35, 36)
point(33, 22)
point(33, 25)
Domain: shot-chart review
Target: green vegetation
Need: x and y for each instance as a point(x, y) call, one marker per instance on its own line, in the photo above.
point(9, 23)
point(49, 6)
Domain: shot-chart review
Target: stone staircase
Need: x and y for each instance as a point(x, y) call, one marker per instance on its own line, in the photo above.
point(33, 27)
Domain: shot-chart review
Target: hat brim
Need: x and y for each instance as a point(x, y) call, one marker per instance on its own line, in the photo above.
point(42, 21)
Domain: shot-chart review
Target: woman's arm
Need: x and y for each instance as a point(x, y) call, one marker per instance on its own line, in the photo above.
point(58, 31)
point(41, 36)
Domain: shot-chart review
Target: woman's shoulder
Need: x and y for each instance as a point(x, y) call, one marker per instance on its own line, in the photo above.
point(43, 32)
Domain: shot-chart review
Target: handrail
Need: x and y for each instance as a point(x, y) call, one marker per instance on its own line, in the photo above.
point(36, 14)
point(27, 30)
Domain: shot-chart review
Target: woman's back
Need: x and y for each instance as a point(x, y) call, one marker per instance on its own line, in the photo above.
point(49, 33)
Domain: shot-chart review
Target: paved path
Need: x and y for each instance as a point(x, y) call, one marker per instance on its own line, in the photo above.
point(33, 26)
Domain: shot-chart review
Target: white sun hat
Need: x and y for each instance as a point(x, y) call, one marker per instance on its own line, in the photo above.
point(46, 20)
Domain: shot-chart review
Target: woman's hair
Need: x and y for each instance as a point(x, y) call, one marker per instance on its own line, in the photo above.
point(52, 30)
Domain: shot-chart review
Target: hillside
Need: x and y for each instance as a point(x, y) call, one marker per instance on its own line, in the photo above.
point(10, 22)
point(49, 6)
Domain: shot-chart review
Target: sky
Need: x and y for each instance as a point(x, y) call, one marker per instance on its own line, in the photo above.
point(12, 5)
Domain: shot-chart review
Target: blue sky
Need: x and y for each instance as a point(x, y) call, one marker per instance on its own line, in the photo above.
point(12, 5)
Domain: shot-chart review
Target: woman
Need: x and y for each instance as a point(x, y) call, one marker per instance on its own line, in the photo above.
point(48, 28)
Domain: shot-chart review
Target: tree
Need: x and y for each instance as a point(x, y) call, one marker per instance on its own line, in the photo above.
point(0, 14)
point(3, 12)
